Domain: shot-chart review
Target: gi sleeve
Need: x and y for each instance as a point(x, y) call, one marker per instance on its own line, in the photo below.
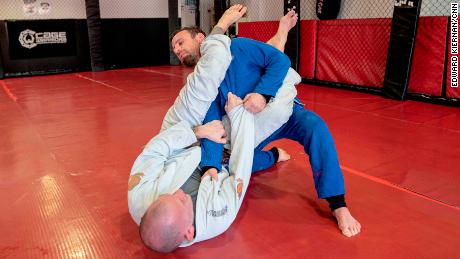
point(202, 85)
point(155, 170)
point(274, 63)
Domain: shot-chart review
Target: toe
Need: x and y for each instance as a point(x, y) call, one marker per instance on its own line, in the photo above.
point(354, 231)
point(347, 232)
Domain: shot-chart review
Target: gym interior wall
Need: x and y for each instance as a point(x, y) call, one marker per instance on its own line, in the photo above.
point(42, 37)
point(350, 48)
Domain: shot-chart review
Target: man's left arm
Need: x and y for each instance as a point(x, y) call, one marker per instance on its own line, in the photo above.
point(274, 64)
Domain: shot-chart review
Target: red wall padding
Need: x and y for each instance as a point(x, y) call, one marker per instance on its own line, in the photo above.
point(353, 51)
point(451, 92)
point(308, 48)
point(429, 55)
point(261, 31)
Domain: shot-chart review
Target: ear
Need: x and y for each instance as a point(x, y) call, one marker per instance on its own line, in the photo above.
point(200, 37)
point(190, 233)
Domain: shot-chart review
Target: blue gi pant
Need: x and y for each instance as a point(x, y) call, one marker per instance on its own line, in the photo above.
point(311, 131)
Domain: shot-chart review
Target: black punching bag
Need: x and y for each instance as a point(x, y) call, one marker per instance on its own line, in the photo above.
point(220, 6)
point(327, 9)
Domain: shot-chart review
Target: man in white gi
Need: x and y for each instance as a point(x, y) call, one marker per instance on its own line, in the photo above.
point(168, 161)
point(159, 173)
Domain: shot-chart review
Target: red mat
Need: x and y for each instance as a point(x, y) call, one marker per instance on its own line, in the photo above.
point(69, 142)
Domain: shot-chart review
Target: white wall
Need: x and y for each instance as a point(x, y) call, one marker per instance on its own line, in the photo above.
point(187, 13)
point(133, 8)
point(435, 8)
point(357, 9)
point(59, 9)
point(352, 9)
point(75, 9)
point(206, 15)
point(270, 10)
point(262, 10)
point(360, 9)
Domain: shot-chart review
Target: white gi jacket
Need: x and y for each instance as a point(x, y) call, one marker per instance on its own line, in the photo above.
point(218, 202)
point(163, 167)
point(165, 163)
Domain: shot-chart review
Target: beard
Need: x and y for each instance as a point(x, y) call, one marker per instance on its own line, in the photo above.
point(190, 60)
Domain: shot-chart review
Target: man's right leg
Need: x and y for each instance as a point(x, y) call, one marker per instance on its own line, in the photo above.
point(310, 130)
point(287, 22)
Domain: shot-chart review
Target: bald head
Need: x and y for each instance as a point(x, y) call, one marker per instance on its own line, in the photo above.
point(168, 222)
point(158, 229)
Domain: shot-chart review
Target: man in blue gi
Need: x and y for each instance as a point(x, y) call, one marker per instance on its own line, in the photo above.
point(255, 75)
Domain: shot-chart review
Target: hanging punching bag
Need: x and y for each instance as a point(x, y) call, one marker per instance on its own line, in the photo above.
point(327, 9)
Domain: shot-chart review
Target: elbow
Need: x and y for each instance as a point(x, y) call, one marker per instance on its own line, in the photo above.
point(286, 61)
point(280, 61)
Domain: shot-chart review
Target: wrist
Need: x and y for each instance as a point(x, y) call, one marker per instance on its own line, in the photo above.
point(222, 26)
point(218, 29)
point(198, 132)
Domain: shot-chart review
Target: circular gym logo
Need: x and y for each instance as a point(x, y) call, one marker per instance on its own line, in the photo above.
point(30, 39)
point(27, 39)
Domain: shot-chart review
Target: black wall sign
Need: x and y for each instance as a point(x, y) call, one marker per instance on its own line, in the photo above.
point(327, 9)
point(401, 47)
point(2, 74)
point(293, 41)
point(41, 39)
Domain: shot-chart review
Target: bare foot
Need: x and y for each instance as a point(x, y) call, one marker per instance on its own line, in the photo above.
point(287, 22)
point(347, 224)
point(283, 155)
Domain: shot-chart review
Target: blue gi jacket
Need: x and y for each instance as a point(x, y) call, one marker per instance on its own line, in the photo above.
point(256, 68)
